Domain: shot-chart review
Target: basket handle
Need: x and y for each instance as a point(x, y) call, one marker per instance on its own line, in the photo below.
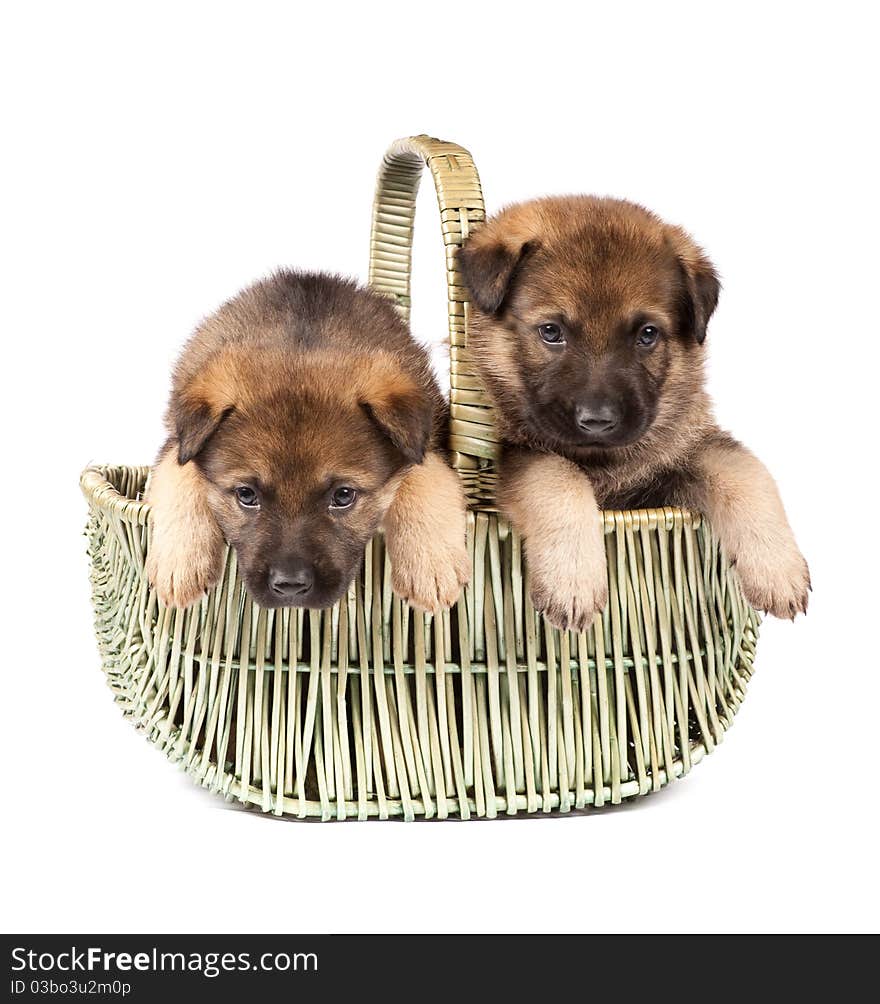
point(473, 441)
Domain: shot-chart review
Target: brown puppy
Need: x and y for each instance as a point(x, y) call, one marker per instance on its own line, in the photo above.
point(589, 323)
point(302, 417)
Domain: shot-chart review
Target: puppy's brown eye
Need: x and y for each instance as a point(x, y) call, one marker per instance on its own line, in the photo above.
point(247, 497)
point(551, 334)
point(648, 335)
point(343, 498)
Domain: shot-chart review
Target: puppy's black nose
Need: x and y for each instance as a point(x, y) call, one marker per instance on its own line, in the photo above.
point(597, 419)
point(293, 581)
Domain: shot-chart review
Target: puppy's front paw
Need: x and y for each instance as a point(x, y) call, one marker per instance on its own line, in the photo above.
point(774, 580)
point(569, 579)
point(180, 580)
point(425, 531)
point(185, 556)
point(430, 575)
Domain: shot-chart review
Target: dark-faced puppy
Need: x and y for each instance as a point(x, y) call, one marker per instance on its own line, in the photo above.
point(589, 327)
point(302, 418)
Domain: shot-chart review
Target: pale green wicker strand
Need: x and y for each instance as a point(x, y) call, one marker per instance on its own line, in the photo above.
point(371, 709)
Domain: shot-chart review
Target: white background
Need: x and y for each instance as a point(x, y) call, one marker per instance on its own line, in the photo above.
point(158, 157)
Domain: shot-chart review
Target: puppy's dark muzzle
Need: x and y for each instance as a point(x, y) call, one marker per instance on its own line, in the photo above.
point(292, 584)
point(300, 584)
point(599, 421)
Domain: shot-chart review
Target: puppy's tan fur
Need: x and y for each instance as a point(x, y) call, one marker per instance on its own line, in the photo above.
point(742, 503)
point(186, 547)
point(299, 384)
point(602, 268)
point(567, 569)
point(423, 533)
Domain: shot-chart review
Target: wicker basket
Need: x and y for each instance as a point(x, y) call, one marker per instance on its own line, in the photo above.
point(371, 709)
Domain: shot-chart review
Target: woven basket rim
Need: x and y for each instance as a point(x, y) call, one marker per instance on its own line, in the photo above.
point(102, 493)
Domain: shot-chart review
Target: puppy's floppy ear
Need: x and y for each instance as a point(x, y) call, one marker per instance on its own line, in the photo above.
point(201, 403)
point(701, 281)
point(405, 414)
point(488, 265)
point(195, 422)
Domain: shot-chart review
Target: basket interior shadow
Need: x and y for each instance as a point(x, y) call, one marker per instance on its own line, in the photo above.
point(371, 709)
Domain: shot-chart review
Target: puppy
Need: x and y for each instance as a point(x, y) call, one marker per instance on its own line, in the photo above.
point(302, 418)
point(589, 325)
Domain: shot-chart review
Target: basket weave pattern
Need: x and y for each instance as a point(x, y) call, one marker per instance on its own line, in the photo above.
point(373, 709)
